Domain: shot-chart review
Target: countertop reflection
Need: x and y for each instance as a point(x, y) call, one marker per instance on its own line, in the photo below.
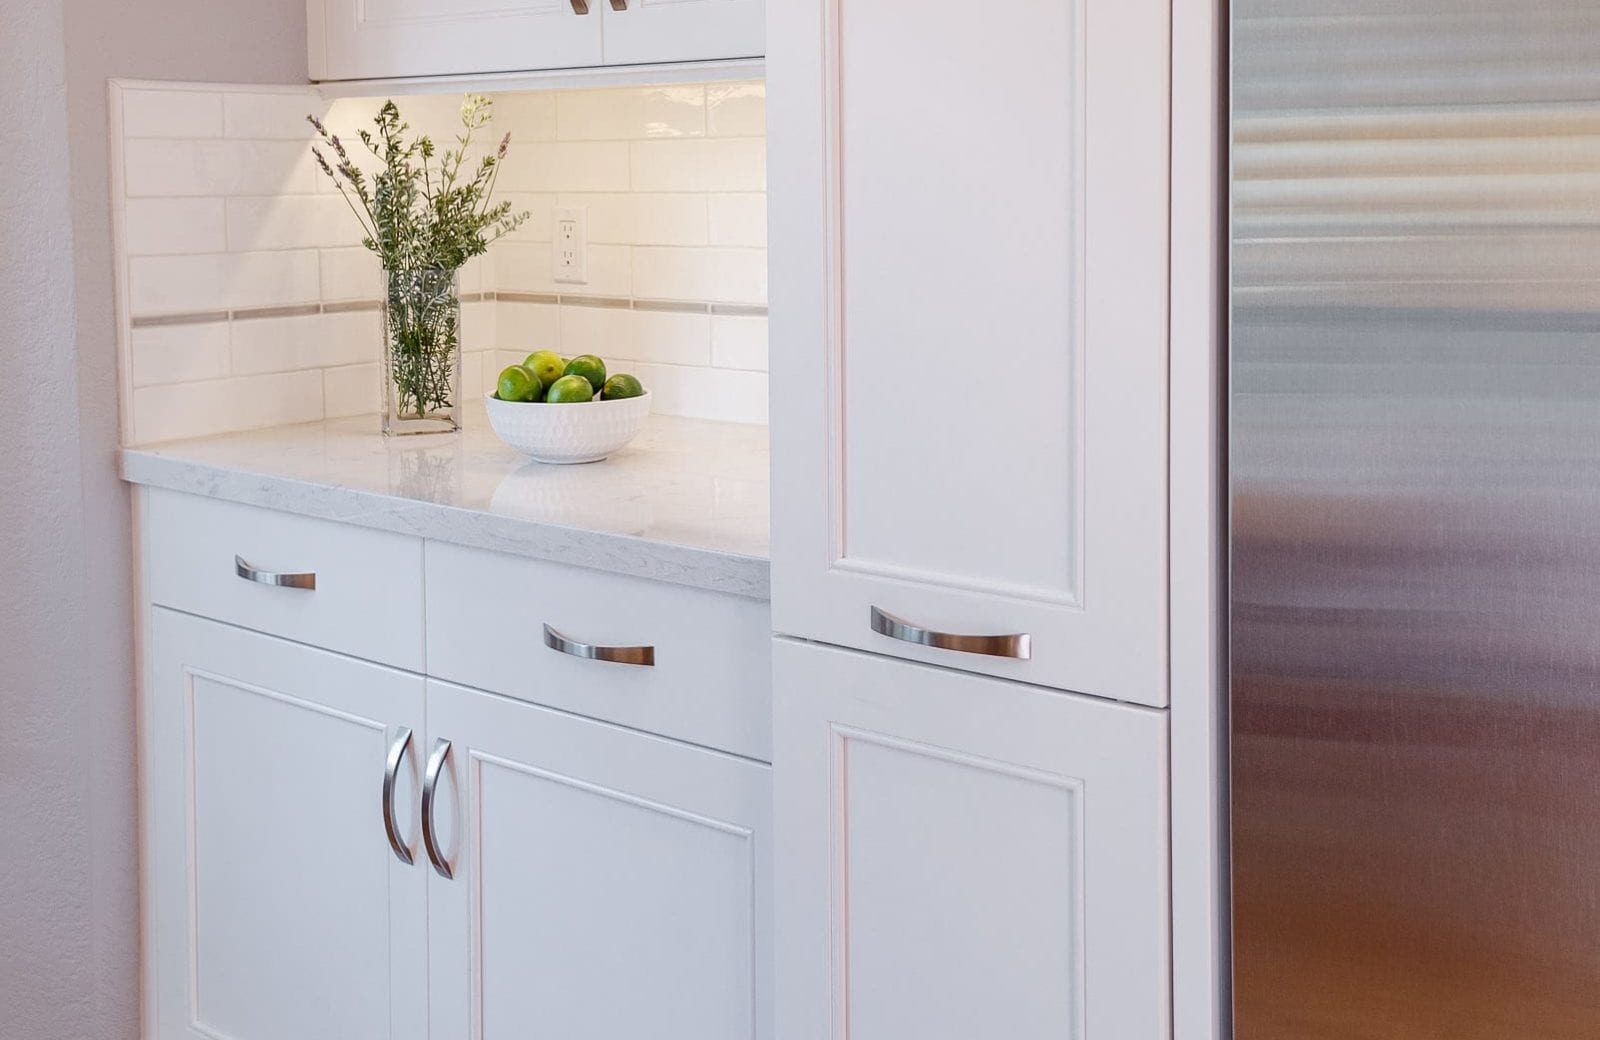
point(686, 502)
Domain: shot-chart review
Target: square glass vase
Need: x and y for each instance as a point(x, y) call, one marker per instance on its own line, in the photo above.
point(421, 352)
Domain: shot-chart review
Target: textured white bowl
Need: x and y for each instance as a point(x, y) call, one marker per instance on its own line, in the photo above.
point(568, 433)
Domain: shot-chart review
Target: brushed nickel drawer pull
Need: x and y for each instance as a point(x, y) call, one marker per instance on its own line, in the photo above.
point(391, 770)
point(580, 6)
point(430, 788)
point(643, 656)
point(244, 570)
point(1019, 647)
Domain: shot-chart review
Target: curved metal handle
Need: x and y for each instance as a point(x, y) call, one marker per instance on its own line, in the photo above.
point(430, 786)
point(391, 770)
point(1019, 647)
point(580, 6)
point(244, 570)
point(644, 656)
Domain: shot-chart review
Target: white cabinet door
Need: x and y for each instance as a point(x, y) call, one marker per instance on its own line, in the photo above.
point(968, 276)
point(370, 39)
point(605, 883)
point(277, 905)
point(643, 31)
point(961, 857)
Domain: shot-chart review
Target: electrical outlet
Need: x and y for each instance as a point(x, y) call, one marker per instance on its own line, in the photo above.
point(570, 243)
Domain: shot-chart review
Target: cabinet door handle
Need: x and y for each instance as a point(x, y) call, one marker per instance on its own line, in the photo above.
point(244, 570)
point(644, 656)
point(430, 787)
point(1018, 646)
point(580, 6)
point(391, 770)
point(619, 5)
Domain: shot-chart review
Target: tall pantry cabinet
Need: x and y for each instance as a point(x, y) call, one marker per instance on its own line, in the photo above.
point(969, 271)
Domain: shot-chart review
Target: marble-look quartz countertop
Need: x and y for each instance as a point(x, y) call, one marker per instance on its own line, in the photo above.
point(686, 502)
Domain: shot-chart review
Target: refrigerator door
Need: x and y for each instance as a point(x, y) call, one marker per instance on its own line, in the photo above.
point(1415, 463)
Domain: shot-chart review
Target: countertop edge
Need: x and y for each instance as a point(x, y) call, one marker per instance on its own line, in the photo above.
point(700, 568)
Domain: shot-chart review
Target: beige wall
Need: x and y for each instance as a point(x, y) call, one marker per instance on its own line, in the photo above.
point(68, 919)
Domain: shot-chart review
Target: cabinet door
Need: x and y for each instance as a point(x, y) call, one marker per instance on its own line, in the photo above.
point(962, 857)
point(277, 905)
point(605, 883)
point(643, 31)
point(369, 39)
point(969, 324)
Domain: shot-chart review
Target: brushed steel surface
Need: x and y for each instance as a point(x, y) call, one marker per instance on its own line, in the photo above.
point(391, 772)
point(1415, 461)
point(1018, 646)
point(430, 790)
point(249, 572)
point(639, 656)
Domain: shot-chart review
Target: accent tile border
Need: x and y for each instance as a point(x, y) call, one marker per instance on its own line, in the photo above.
point(156, 321)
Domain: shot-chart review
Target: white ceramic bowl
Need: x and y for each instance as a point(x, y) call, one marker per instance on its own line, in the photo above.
point(568, 433)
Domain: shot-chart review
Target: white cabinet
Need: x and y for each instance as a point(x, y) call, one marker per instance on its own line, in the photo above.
point(969, 320)
point(605, 883)
point(373, 39)
point(277, 906)
point(642, 31)
point(962, 857)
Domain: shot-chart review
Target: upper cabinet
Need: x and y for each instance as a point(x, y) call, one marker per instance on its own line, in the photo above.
point(380, 39)
point(969, 334)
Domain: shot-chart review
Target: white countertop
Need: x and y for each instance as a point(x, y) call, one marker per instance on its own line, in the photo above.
point(686, 502)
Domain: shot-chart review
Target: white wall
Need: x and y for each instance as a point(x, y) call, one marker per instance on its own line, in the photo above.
point(68, 915)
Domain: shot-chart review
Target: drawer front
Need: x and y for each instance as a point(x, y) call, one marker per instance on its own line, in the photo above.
point(708, 682)
point(365, 594)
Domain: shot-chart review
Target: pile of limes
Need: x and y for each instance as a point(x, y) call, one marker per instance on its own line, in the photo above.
point(545, 377)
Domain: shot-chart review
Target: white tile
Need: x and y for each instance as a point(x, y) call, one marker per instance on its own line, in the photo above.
point(737, 275)
point(474, 275)
point(608, 217)
point(523, 267)
point(606, 331)
point(706, 393)
point(670, 220)
point(471, 374)
point(162, 413)
point(737, 109)
point(538, 226)
point(272, 115)
point(523, 328)
point(290, 222)
point(207, 282)
point(610, 271)
point(738, 341)
point(179, 353)
point(526, 115)
point(477, 325)
point(670, 337)
point(171, 113)
point(670, 273)
point(631, 113)
point(699, 165)
point(162, 227)
point(738, 220)
point(171, 167)
point(305, 341)
point(351, 274)
point(352, 390)
point(568, 166)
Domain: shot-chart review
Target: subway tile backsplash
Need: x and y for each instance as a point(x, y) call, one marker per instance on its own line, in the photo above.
point(248, 300)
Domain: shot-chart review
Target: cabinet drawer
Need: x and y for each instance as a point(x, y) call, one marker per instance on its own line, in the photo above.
point(367, 594)
point(709, 682)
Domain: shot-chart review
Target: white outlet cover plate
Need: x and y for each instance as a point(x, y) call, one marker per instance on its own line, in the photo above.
point(569, 248)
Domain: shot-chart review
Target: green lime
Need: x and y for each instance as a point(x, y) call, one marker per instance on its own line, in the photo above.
point(589, 367)
point(570, 390)
point(620, 386)
point(518, 383)
point(547, 365)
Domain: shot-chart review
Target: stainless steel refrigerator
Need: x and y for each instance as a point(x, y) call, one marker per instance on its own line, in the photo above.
point(1415, 473)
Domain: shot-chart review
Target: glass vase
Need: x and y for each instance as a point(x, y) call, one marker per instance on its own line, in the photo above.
point(421, 352)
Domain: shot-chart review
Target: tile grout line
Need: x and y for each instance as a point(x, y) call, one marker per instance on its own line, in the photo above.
point(548, 299)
